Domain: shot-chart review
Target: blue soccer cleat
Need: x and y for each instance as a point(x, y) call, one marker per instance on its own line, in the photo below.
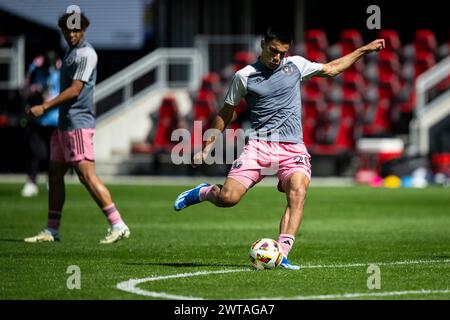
point(188, 197)
point(285, 264)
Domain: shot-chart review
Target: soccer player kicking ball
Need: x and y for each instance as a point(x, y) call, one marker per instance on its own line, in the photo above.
point(271, 87)
point(72, 142)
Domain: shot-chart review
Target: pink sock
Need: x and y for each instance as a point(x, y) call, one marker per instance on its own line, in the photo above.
point(112, 214)
point(286, 241)
point(54, 218)
point(204, 192)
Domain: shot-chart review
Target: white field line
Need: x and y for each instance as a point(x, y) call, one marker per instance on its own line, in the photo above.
point(393, 263)
point(177, 181)
point(131, 285)
point(368, 294)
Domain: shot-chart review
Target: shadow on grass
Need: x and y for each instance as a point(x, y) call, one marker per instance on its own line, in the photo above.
point(186, 264)
point(12, 240)
point(445, 257)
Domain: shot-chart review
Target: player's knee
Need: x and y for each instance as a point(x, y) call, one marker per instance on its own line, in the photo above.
point(297, 192)
point(228, 198)
point(84, 177)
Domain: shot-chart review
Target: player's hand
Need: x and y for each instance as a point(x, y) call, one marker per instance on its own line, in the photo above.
point(36, 111)
point(376, 45)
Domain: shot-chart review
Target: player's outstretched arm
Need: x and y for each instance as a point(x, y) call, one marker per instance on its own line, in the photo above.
point(71, 92)
point(221, 121)
point(335, 67)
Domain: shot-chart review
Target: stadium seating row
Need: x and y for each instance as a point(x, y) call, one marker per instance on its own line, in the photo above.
point(373, 98)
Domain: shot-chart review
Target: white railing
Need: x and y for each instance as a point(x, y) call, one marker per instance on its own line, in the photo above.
point(159, 61)
point(428, 113)
point(14, 57)
point(427, 81)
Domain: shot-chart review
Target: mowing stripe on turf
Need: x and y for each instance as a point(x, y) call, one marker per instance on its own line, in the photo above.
point(131, 285)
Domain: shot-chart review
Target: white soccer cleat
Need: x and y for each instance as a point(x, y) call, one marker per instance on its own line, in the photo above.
point(43, 236)
point(115, 235)
point(29, 190)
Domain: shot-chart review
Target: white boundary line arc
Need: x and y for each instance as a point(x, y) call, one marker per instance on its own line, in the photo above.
point(130, 285)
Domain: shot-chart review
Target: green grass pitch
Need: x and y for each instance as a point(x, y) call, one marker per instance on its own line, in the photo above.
point(405, 232)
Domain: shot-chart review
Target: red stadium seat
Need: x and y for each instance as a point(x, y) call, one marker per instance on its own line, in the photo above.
point(167, 122)
point(441, 163)
point(316, 39)
point(339, 139)
point(315, 55)
point(203, 111)
point(315, 88)
point(425, 40)
point(377, 118)
point(351, 39)
point(243, 58)
point(335, 133)
point(352, 82)
point(312, 115)
point(391, 38)
point(211, 83)
point(404, 103)
point(164, 123)
point(389, 86)
point(388, 63)
point(444, 85)
point(352, 106)
point(424, 61)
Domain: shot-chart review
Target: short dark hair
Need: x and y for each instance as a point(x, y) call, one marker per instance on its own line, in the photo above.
point(64, 19)
point(280, 32)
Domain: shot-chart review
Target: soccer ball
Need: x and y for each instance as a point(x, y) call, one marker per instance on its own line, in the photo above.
point(265, 254)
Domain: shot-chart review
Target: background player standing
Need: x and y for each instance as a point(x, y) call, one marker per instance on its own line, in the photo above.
point(42, 83)
point(72, 143)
